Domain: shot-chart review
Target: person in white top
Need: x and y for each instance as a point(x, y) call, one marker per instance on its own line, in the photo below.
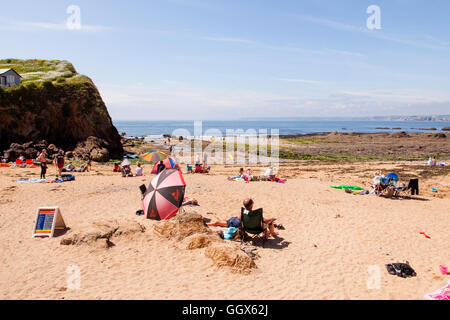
point(139, 170)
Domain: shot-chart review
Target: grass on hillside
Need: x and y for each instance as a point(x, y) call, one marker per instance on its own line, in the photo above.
point(41, 71)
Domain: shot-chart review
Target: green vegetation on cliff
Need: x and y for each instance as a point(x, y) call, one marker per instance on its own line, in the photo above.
point(40, 71)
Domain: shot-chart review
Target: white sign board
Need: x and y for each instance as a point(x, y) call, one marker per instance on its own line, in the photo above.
point(48, 220)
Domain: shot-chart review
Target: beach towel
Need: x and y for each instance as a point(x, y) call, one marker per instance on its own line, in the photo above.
point(229, 232)
point(343, 187)
point(360, 193)
point(65, 178)
point(24, 180)
point(441, 294)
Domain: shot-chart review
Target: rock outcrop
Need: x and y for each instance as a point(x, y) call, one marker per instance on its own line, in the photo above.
point(190, 228)
point(67, 112)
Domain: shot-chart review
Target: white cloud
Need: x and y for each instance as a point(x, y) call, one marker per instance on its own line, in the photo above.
point(33, 26)
point(261, 45)
point(298, 80)
point(427, 41)
point(151, 103)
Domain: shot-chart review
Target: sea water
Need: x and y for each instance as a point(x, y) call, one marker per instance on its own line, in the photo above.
point(284, 127)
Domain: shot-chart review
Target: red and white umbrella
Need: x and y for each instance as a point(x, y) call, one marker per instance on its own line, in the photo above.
point(164, 195)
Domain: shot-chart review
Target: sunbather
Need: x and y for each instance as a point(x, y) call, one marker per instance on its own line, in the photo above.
point(239, 176)
point(190, 201)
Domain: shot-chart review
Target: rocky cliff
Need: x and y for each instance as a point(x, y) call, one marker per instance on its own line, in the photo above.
point(56, 104)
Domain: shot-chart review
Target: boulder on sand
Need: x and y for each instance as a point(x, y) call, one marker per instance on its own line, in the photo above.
point(93, 147)
point(182, 226)
point(224, 255)
point(99, 234)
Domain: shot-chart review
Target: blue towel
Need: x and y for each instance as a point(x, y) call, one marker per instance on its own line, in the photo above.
point(229, 232)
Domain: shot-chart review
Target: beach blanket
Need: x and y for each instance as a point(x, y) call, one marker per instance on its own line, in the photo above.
point(24, 180)
point(229, 233)
point(359, 193)
point(65, 178)
point(344, 187)
point(441, 294)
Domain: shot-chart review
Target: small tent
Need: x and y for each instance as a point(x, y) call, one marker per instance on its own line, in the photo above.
point(168, 162)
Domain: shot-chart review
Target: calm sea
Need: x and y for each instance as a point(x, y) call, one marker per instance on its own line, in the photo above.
point(146, 128)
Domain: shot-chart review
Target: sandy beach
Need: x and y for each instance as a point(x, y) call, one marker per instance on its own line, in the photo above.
point(331, 239)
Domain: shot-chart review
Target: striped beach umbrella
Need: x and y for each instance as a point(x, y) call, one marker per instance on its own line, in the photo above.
point(165, 195)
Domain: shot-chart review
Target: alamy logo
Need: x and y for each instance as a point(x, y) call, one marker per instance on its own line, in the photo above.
point(74, 20)
point(374, 280)
point(73, 277)
point(374, 21)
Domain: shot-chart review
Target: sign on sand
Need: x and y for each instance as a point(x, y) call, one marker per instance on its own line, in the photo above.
point(48, 220)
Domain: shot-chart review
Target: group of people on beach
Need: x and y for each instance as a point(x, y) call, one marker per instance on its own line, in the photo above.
point(59, 162)
point(247, 176)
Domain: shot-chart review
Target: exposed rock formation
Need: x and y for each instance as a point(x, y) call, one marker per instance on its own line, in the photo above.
point(65, 112)
point(99, 234)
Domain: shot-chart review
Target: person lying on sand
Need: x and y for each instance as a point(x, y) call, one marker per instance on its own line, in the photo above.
point(190, 201)
point(232, 222)
point(239, 176)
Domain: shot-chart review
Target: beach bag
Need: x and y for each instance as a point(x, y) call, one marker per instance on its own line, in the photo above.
point(403, 270)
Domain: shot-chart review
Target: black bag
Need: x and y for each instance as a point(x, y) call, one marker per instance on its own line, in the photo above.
point(403, 270)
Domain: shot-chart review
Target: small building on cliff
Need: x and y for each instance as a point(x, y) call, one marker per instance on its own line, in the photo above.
point(9, 78)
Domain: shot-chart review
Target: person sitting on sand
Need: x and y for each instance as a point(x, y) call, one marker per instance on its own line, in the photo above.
point(237, 222)
point(126, 171)
point(382, 185)
point(70, 167)
point(248, 175)
point(139, 170)
point(270, 231)
point(161, 167)
point(269, 173)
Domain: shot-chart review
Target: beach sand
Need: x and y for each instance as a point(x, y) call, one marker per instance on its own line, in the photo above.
point(331, 239)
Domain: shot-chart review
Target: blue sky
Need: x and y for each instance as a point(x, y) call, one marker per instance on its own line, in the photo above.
point(211, 59)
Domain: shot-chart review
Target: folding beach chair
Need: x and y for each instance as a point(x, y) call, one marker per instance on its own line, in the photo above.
point(406, 190)
point(19, 163)
point(253, 223)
